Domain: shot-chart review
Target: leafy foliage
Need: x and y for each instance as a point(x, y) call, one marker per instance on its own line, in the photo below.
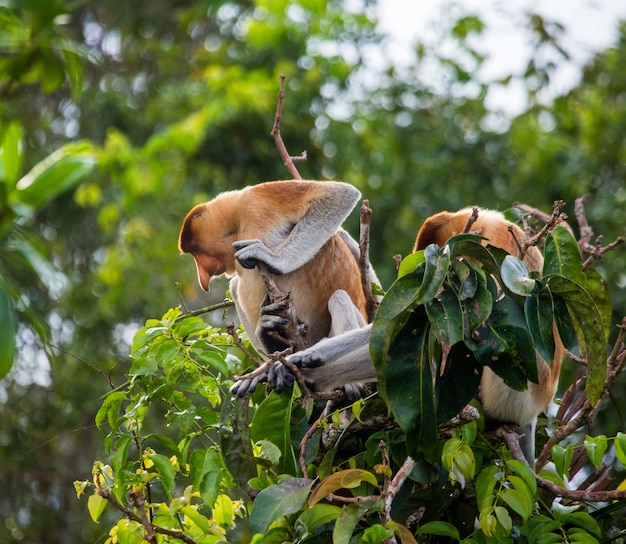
point(174, 103)
point(231, 470)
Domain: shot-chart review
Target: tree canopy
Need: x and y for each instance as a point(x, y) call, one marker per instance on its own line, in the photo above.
point(117, 117)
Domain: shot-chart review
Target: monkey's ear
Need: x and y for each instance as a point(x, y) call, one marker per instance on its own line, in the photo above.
point(435, 230)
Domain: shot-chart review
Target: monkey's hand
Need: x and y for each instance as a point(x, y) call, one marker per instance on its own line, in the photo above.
point(273, 327)
point(247, 385)
point(251, 252)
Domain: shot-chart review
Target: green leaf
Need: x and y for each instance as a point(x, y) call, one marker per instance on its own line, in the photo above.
point(165, 470)
point(516, 276)
point(459, 382)
point(281, 499)
point(59, 171)
point(409, 386)
point(110, 407)
point(620, 448)
point(519, 498)
point(96, 505)
point(345, 525)
point(598, 290)
point(562, 256)
point(320, 514)
point(10, 154)
point(446, 318)
point(540, 319)
point(8, 330)
point(591, 338)
point(406, 293)
point(439, 528)
point(485, 485)
point(506, 345)
point(596, 447)
point(410, 263)
point(272, 421)
point(524, 472)
point(206, 469)
point(584, 521)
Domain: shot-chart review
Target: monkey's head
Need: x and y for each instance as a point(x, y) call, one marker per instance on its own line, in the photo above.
point(438, 228)
point(208, 233)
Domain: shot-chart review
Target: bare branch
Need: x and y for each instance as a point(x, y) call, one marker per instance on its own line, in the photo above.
point(371, 304)
point(471, 219)
point(226, 303)
point(288, 160)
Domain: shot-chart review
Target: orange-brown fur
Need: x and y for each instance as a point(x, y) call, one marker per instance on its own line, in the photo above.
point(268, 212)
point(500, 402)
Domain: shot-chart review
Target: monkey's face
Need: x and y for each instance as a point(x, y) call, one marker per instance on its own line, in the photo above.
point(208, 234)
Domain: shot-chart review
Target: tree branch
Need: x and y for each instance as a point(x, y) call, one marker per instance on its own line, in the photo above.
point(511, 439)
point(288, 160)
point(130, 514)
point(371, 304)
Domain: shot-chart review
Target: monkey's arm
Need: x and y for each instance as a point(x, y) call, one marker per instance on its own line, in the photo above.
point(303, 225)
point(337, 361)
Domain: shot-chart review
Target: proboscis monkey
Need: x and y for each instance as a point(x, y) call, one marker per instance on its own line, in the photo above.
point(293, 228)
point(346, 359)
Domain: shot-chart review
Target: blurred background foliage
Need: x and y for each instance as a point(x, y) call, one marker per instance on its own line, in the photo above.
point(174, 101)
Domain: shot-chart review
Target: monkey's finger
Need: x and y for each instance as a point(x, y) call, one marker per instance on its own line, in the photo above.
point(280, 377)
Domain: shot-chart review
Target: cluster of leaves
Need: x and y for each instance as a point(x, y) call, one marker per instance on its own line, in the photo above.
point(449, 297)
point(34, 51)
point(256, 471)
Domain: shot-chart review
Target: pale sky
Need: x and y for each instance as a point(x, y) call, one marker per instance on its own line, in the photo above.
point(591, 26)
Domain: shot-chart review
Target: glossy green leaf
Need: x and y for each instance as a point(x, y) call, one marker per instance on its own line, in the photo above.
point(409, 384)
point(562, 458)
point(8, 330)
point(562, 256)
point(439, 528)
point(596, 447)
point(166, 472)
point(591, 338)
point(281, 499)
point(206, 470)
point(446, 318)
point(516, 276)
point(584, 521)
point(272, 421)
point(59, 171)
point(540, 319)
point(506, 345)
point(458, 384)
point(406, 293)
point(410, 263)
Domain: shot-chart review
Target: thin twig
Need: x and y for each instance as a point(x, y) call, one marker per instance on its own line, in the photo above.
point(471, 219)
point(288, 160)
point(307, 436)
point(371, 304)
point(230, 329)
point(226, 303)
